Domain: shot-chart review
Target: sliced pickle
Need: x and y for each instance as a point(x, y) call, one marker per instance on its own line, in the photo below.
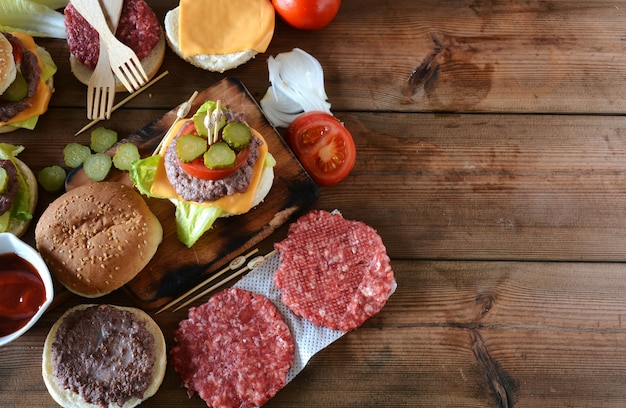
point(237, 135)
point(4, 179)
point(190, 147)
point(17, 90)
point(219, 156)
point(52, 178)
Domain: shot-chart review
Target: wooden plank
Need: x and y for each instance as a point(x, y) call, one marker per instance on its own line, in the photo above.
point(494, 333)
point(506, 56)
point(489, 186)
point(505, 187)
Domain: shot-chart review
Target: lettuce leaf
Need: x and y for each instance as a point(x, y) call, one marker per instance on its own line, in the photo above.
point(193, 220)
point(20, 208)
point(142, 173)
point(35, 18)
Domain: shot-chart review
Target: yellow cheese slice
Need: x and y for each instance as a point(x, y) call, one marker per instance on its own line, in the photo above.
point(239, 203)
point(225, 26)
point(39, 101)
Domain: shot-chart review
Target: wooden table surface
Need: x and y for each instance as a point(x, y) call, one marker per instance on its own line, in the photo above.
point(491, 144)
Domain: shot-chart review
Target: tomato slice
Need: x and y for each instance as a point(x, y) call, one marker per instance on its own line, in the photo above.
point(323, 145)
point(197, 168)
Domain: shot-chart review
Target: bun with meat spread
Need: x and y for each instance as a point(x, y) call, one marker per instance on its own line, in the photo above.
point(244, 29)
point(26, 83)
point(214, 165)
point(138, 28)
point(97, 237)
point(103, 356)
point(18, 191)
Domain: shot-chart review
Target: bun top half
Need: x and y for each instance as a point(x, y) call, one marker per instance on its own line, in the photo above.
point(8, 71)
point(97, 237)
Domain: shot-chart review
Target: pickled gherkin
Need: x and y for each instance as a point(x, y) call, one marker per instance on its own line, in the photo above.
point(102, 139)
point(4, 179)
point(75, 154)
point(97, 166)
point(190, 147)
point(52, 178)
point(219, 156)
point(125, 155)
point(17, 91)
point(237, 135)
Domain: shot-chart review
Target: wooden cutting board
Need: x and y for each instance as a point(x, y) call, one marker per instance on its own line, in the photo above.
point(175, 268)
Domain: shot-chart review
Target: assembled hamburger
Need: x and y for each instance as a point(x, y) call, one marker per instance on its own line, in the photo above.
point(26, 84)
point(18, 191)
point(213, 165)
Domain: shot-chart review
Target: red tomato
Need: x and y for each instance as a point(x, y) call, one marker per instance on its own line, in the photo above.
point(323, 145)
point(197, 168)
point(307, 14)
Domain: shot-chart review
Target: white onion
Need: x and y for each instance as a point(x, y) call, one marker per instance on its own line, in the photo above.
point(297, 86)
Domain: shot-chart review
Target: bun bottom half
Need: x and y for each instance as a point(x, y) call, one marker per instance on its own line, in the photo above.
point(67, 398)
point(214, 62)
point(150, 64)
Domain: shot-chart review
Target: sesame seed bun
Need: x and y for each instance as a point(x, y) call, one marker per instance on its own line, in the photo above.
point(97, 237)
point(215, 62)
point(8, 71)
point(68, 398)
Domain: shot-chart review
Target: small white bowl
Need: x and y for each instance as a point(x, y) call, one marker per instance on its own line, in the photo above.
point(9, 243)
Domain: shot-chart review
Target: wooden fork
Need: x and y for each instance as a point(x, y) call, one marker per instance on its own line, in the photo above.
point(101, 86)
point(124, 62)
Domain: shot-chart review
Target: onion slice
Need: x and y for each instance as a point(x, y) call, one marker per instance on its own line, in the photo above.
point(297, 86)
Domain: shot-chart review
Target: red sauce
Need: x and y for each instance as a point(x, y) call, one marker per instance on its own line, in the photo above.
point(22, 292)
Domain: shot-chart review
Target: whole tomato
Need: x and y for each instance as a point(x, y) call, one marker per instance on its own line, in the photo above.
point(307, 14)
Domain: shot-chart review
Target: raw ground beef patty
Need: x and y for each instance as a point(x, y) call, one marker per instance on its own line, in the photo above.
point(333, 272)
point(234, 351)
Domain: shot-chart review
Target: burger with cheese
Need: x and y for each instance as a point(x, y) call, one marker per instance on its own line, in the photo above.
point(18, 191)
point(218, 35)
point(213, 165)
point(26, 85)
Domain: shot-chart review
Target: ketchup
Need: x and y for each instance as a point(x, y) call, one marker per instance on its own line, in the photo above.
point(22, 293)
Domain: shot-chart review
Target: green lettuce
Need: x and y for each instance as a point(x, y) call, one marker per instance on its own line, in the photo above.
point(192, 220)
point(37, 18)
point(20, 209)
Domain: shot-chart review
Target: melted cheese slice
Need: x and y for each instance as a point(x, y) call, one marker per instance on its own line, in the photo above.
point(39, 101)
point(239, 203)
point(225, 26)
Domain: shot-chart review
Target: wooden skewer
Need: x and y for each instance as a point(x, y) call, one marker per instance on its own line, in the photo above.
point(234, 264)
point(253, 263)
point(125, 100)
point(182, 112)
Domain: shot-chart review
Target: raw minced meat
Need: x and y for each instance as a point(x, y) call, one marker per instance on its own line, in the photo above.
point(234, 351)
point(333, 272)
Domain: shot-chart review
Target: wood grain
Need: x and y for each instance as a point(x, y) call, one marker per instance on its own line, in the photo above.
point(490, 157)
